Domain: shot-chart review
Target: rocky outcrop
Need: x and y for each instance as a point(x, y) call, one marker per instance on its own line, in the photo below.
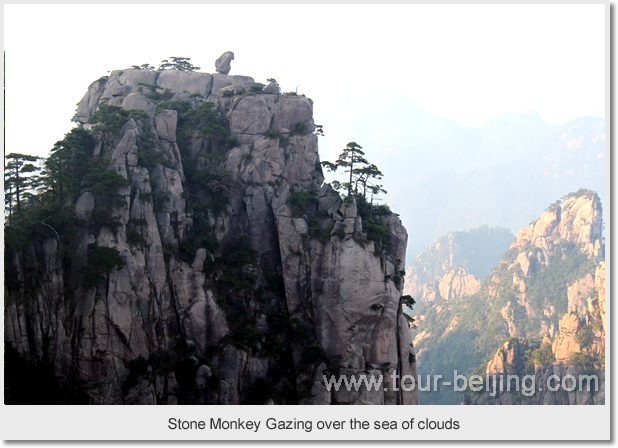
point(578, 220)
point(139, 89)
point(223, 63)
point(507, 358)
point(457, 284)
point(244, 278)
point(454, 285)
point(557, 383)
point(572, 225)
point(579, 349)
point(579, 292)
point(566, 343)
point(599, 286)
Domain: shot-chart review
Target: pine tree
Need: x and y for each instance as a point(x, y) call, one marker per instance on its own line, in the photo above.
point(178, 63)
point(19, 179)
point(67, 164)
point(360, 171)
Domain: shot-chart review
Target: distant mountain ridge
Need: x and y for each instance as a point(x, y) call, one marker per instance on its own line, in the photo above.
point(473, 253)
point(443, 176)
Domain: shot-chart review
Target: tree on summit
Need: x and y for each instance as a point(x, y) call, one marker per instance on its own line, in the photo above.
point(361, 172)
point(143, 67)
point(178, 63)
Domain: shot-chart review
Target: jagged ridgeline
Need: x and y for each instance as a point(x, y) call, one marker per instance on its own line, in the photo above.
point(453, 266)
point(548, 286)
point(182, 248)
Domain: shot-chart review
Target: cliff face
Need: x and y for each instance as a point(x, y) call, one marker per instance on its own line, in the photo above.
point(578, 220)
point(511, 360)
point(578, 346)
point(579, 349)
point(454, 285)
point(242, 279)
point(550, 283)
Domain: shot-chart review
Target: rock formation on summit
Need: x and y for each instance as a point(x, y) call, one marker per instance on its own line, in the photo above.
point(223, 63)
point(202, 260)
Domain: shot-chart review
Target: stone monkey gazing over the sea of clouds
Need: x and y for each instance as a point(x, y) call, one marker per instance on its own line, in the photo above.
point(222, 65)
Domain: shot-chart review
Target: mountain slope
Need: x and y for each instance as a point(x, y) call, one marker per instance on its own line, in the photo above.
point(525, 295)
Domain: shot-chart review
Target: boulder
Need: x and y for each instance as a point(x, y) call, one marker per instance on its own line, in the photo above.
point(223, 63)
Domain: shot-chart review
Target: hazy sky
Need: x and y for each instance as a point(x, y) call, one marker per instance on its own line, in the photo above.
point(465, 62)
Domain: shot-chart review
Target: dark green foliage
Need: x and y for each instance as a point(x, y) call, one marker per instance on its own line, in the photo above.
point(181, 107)
point(585, 337)
point(143, 67)
point(103, 218)
point(548, 287)
point(299, 129)
point(373, 223)
point(207, 120)
point(231, 143)
point(201, 234)
point(376, 232)
point(68, 163)
point(543, 355)
point(154, 93)
point(408, 301)
point(134, 237)
point(555, 207)
point(582, 192)
point(237, 253)
point(109, 120)
point(272, 133)
point(19, 179)
point(178, 63)
point(361, 172)
point(582, 360)
point(210, 181)
point(101, 261)
point(103, 183)
point(256, 88)
point(274, 81)
point(301, 202)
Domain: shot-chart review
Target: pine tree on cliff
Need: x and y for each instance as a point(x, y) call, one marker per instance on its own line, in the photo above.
point(19, 178)
point(361, 172)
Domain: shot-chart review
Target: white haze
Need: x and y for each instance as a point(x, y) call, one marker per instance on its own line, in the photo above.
point(469, 63)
